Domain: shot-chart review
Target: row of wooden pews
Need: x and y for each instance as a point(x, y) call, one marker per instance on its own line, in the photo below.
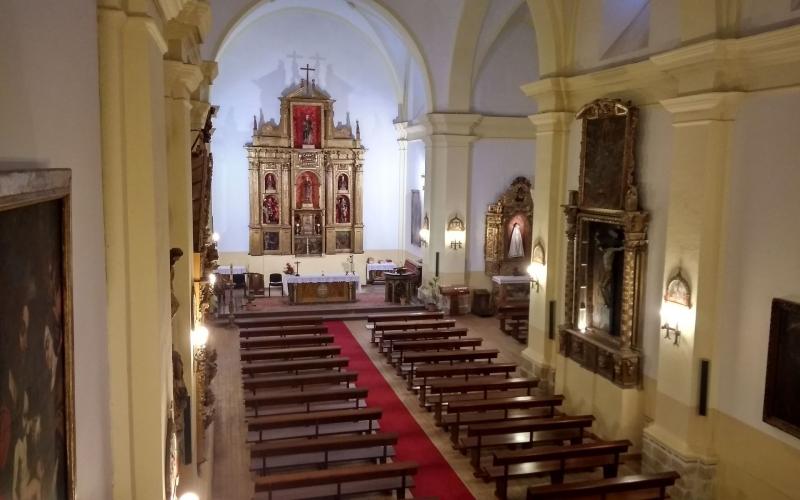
point(513, 319)
point(509, 428)
point(310, 434)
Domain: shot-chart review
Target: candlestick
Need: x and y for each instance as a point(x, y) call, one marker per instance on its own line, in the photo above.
point(437, 264)
point(297, 268)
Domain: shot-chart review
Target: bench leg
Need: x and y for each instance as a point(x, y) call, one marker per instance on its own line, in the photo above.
point(501, 488)
point(557, 477)
point(475, 461)
point(610, 471)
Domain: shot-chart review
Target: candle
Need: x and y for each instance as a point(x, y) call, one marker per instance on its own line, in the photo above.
point(437, 264)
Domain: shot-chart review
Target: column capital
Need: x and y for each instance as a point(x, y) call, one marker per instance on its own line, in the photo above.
point(448, 141)
point(716, 106)
point(552, 121)
point(181, 79)
point(549, 93)
point(451, 123)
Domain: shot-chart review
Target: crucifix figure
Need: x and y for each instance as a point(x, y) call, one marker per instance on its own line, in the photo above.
point(307, 69)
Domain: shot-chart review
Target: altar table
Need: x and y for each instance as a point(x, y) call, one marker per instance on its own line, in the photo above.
point(376, 270)
point(321, 289)
point(510, 289)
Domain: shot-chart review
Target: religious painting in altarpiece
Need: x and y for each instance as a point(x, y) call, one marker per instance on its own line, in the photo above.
point(507, 243)
point(306, 177)
point(606, 248)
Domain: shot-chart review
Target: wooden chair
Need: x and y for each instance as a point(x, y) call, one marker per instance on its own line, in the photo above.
point(275, 279)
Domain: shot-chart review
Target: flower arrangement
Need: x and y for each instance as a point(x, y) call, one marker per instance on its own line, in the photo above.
point(288, 269)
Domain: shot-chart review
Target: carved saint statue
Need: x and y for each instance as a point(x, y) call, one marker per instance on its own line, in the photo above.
point(516, 248)
point(608, 249)
point(342, 182)
point(308, 130)
point(269, 182)
point(307, 186)
point(270, 211)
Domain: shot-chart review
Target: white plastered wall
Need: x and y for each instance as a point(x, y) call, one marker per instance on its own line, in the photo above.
point(50, 120)
point(761, 249)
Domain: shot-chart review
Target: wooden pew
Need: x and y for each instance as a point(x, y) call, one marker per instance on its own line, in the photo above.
point(278, 321)
point(456, 411)
point(465, 370)
point(388, 338)
point(269, 400)
point(423, 324)
point(506, 312)
point(282, 331)
point(402, 347)
point(290, 353)
point(555, 461)
point(315, 420)
point(415, 358)
point(650, 486)
point(323, 450)
point(372, 319)
point(295, 366)
point(334, 482)
point(290, 341)
point(303, 380)
point(475, 388)
point(554, 430)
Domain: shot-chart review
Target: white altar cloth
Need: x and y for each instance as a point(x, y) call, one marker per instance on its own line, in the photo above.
point(506, 280)
point(382, 266)
point(330, 278)
point(227, 270)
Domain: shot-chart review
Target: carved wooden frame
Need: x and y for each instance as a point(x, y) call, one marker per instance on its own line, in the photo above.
point(495, 241)
point(615, 357)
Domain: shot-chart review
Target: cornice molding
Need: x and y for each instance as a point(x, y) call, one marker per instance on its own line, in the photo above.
point(719, 106)
point(450, 123)
point(181, 79)
point(552, 121)
point(754, 63)
point(505, 127)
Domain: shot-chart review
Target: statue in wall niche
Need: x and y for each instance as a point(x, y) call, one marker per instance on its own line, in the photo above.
point(308, 130)
point(174, 255)
point(180, 397)
point(307, 188)
point(608, 246)
point(516, 248)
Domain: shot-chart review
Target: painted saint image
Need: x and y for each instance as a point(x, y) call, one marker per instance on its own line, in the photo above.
point(516, 248)
point(269, 182)
point(308, 130)
point(307, 187)
point(270, 211)
point(343, 209)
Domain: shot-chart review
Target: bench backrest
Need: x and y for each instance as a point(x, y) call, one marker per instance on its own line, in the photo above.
point(599, 488)
point(404, 316)
point(544, 453)
point(480, 385)
point(513, 403)
point(453, 370)
point(313, 418)
point(415, 325)
point(335, 475)
point(416, 357)
point(531, 425)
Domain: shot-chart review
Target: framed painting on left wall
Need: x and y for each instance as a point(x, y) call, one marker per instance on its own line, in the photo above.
point(37, 418)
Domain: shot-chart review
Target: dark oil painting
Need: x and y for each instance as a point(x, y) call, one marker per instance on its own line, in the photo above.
point(782, 388)
point(34, 395)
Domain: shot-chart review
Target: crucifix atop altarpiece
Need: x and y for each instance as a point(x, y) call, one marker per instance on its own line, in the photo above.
point(306, 177)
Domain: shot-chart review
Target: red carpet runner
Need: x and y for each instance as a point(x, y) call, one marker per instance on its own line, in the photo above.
point(435, 476)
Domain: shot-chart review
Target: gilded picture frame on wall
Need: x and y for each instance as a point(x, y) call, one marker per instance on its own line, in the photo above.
point(37, 417)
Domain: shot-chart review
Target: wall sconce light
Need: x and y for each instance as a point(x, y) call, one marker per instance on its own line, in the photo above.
point(456, 234)
point(199, 337)
point(190, 496)
point(676, 306)
point(212, 279)
point(215, 237)
point(536, 268)
point(425, 231)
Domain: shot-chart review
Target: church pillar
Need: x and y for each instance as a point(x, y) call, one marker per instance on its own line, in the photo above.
point(549, 190)
point(403, 237)
point(131, 51)
point(679, 438)
point(180, 81)
point(357, 206)
point(447, 161)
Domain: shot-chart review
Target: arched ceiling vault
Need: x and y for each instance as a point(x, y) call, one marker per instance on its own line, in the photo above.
point(377, 23)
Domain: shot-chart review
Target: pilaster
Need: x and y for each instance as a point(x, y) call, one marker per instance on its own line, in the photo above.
point(698, 190)
point(447, 160)
point(550, 173)
point(137, 240)
point(403, 236)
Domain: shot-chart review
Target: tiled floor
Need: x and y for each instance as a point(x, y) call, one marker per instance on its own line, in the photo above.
point(231, 479)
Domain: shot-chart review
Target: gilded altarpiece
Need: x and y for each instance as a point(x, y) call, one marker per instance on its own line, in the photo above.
point(606, 248)
point(306, 178)
point(507, 243)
